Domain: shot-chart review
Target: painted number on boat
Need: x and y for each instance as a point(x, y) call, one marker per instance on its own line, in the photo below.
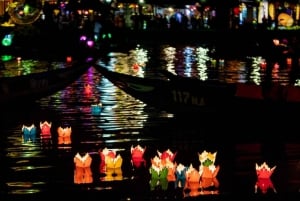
point(38, 84)
point(185, 97)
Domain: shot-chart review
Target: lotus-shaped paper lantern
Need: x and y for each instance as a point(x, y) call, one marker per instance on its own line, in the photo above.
point(82, 172)
point(264, 182)
point(207, 168)
point(192, 182)
point(180, 174)
point(29, 133)
point(45, 130)
point(137, 156)
point(171, 166)
point(109, 160)
point(159, 174)
point(166, 154)
point(207, 158)
point(113, 162)
point(103, 154)
point(64, 135)
point(96, 109)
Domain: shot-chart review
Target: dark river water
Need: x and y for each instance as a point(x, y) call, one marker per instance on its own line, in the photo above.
point(45, 168)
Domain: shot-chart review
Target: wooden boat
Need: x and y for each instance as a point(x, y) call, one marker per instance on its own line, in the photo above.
point(176, 94)
point(46, 81)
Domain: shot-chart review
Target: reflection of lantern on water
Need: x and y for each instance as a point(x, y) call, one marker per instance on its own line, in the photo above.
point(264, 182)
point(45, 132)
point(113, 174)
point(29, 133)
point(82, 171)
point(64, 135)
point(137, 156)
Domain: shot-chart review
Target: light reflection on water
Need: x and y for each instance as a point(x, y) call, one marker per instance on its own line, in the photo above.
point(126, 121)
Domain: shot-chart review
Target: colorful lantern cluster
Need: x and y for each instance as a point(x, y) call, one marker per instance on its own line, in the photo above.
point(45, 137)
point(165, 173)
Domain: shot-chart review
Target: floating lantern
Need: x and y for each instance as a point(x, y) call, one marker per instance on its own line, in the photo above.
point(96, 109)
point(137, 156)
point(171, 166)
point(113, 162)
point(208, 171)
point(264, 182)
point(29, 133)
point(109, 160)
point(45, 134)
point(159, 174)
point(103, 154)
point(192, 182)
point(83, 173)
point(64, 135)
point(180, 174)
point(207, 164)
point(115, 174)
point(166, 154)
point(45, 129)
